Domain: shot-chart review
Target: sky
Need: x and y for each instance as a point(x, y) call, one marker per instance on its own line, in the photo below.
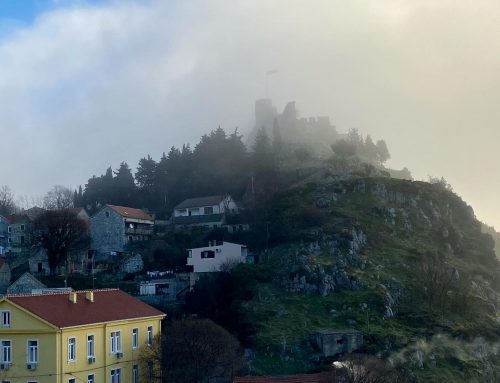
point(87, 84)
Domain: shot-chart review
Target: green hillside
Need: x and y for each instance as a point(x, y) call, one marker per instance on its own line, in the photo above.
point(404, 262)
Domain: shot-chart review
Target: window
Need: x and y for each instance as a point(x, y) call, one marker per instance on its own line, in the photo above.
point(90, 378)
point(150, 335)
point(116, 375)
point(71, 380)
point(9, 229)
point(10, 240)
point(71, 349)
point(6, 351)
point(107, 214)
point(135, 373)
point(116, 344)
point(32, 351)
point(135, 338)
point(22, 227)
point(5, 318)
point(208, 210)
point(22, 239)
point(90, 346)
point(208, 254)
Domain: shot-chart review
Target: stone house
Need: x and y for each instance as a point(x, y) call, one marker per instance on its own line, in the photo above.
point(114, 227)
point(334, 342)
point(25, 284)
point(19, 233)
point(39, 262)
point(205, 212)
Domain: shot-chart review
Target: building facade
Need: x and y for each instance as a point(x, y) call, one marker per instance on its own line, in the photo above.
point(216, 256)
point(207, 212)
point(113, 227)
point(19, 233)
point(87, 336)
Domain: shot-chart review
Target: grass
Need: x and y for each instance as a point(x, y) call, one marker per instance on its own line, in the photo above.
point(283, 321)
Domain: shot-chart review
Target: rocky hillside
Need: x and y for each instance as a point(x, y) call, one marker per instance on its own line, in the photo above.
point(404, 262)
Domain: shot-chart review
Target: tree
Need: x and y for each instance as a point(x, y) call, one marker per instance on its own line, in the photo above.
point(344, 149)
point(59, 197)
point(370, 149)
point(192, 351)
point(7, 204)
point(437, 280)
point(382, 151)
point(58, 231)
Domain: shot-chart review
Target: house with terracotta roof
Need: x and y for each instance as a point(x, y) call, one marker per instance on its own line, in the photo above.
point(114, 227)
point(68, 337)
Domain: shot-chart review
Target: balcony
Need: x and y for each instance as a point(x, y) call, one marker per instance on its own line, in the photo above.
point(138, 231)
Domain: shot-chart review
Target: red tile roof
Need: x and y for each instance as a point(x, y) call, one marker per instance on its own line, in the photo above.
point(307, 378)
point(130, 212)
point(108, 306)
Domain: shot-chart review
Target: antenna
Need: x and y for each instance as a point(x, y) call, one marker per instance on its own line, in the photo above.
point(269, 73)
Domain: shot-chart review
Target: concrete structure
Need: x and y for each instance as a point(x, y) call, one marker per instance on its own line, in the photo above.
point(113, 227)
point(215, 257)
point(84, 336)
point(169, 289)
point(25, 284)
point(206, 212)
point(334, 342)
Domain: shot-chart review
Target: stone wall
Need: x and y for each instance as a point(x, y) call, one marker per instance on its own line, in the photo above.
point(107, 233)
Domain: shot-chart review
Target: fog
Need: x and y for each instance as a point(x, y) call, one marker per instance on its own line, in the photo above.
point(86, 86)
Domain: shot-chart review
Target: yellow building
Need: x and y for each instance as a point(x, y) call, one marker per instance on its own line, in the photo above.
point(90, 336)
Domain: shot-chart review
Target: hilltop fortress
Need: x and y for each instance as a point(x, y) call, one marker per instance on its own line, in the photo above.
point(315, 132)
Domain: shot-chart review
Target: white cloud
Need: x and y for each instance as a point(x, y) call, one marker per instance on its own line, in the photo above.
point(85, 87)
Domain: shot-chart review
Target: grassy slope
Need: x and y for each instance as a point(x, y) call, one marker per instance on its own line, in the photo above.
point(283, 319)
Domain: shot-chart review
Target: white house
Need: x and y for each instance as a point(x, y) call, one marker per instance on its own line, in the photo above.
point(218, 204)
point(215, 257)
point(206, 212)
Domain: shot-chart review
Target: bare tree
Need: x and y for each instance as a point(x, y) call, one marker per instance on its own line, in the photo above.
point(58, 231)
point(7, 204)
point(59, 197)
point(192, 351)
point(437, 280)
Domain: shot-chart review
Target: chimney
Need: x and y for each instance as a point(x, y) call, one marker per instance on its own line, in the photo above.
point(89, 295)
point(72, 297)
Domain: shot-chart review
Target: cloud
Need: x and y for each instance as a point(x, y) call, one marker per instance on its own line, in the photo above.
point(88, 86)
